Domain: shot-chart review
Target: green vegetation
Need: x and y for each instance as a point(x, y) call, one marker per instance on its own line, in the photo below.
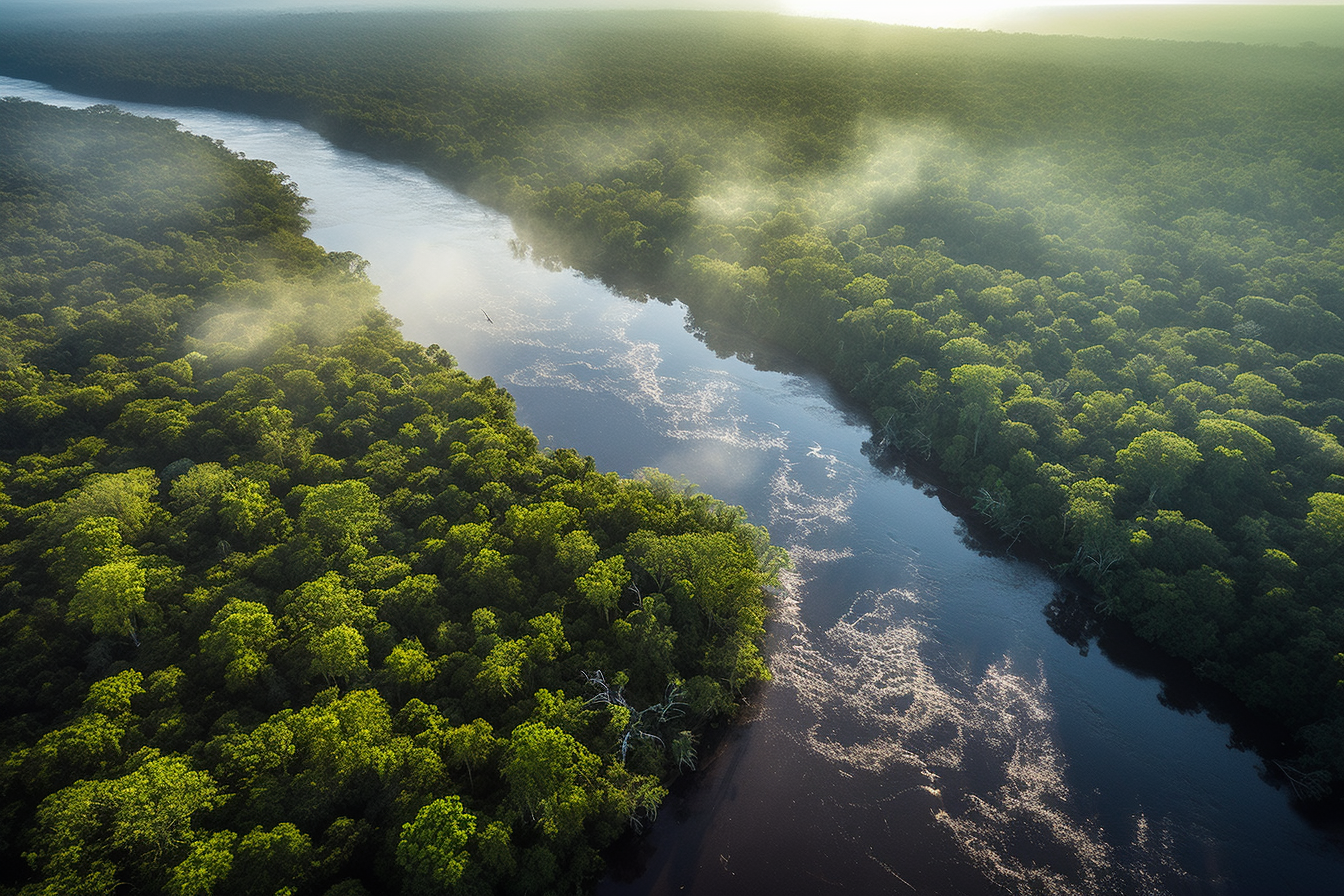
point(1286, 24)
point(291, 604)
point(1099, 283)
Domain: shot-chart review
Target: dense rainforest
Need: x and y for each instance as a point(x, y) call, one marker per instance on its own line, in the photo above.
point(1289, 24)
point(1098, 283)
point(292, 604)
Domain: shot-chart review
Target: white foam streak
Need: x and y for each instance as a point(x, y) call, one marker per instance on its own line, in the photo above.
point(807, 513)
point(876, 685)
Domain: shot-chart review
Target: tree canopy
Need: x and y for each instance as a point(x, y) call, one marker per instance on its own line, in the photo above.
point(309, 613)
point(1098, 285)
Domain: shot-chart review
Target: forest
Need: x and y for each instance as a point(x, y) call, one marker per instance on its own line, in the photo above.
point(292, 604)
point(1098, 284)
point(1290, 24)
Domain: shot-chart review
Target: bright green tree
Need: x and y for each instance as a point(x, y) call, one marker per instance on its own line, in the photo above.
point(408, 664)
point(338, 653)
point(96, 832)
point(604, 582)
point(240, 638)
point(341, 515)
point(472, 746)
point(1325, 519)
point(205, 867)
point(432, 848)
point(108, 596)
point(126, 497)
point(93, 541)
point(552, 778)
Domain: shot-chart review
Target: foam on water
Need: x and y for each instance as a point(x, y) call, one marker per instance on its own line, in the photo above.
point(883, 699)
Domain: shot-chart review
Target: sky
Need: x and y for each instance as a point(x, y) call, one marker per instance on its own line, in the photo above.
point(928, 13)
point(960, 13)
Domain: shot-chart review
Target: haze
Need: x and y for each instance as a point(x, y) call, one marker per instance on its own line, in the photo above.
point(951, 13)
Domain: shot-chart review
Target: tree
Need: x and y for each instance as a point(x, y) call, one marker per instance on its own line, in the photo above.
point(126, 497)
point(112, 696)
point(338, 653)
point(108, 596)
point(538, 527)
point(551, 778)
point(323, 603)
point(208, 863)
point(432, 848)
point(272, 431)
point(96, 831)
point(720, 579)
point(1157, 460)
point(250, 513)
point(1089, 515)
point(272, 861)
point(87, 746)
point(337, 738)
point(194, 497)
point(981, 396)
point(1257, 393)
point(341, 515)
point(1175, 544)
point(240, 638)
point(156, 802)
point(409, 664)
point(604, 582)
point(501, 673)
point(472, 745)
point(1325, 519)
point(502, 669)
point(1237, 460)
point(490, 579)
point(93, 541)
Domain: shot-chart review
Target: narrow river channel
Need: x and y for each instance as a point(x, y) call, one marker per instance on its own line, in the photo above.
point(927, 729)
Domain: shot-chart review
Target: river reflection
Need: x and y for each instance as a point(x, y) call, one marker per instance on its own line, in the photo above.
point(926, 729)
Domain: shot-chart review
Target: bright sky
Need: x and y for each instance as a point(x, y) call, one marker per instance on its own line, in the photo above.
point(941, 14)
point(970, 13)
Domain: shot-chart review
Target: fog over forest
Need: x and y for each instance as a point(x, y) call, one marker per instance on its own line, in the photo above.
point(312, 587)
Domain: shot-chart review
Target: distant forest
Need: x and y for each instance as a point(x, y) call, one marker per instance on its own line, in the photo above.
point(1250, 23)
point(1098, 283)
point(291, 604)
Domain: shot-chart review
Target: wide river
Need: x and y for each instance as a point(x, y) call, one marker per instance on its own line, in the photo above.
point(939, 721)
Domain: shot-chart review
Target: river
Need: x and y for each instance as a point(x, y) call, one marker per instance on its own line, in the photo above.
point(928, 730)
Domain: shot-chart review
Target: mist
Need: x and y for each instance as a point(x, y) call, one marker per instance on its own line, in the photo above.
point(65, 10)
point(1252, 21)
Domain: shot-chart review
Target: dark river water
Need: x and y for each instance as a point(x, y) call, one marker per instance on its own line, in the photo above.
point(927, 729)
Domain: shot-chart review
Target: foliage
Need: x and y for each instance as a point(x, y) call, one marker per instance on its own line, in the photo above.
point(293, 606)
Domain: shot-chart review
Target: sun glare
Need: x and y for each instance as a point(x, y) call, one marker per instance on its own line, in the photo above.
point(948, 14)
point(958, 13)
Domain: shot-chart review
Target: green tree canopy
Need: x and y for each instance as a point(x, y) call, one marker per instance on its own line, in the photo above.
point(432, 848)
point(108, 597)
point(1157, 461)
